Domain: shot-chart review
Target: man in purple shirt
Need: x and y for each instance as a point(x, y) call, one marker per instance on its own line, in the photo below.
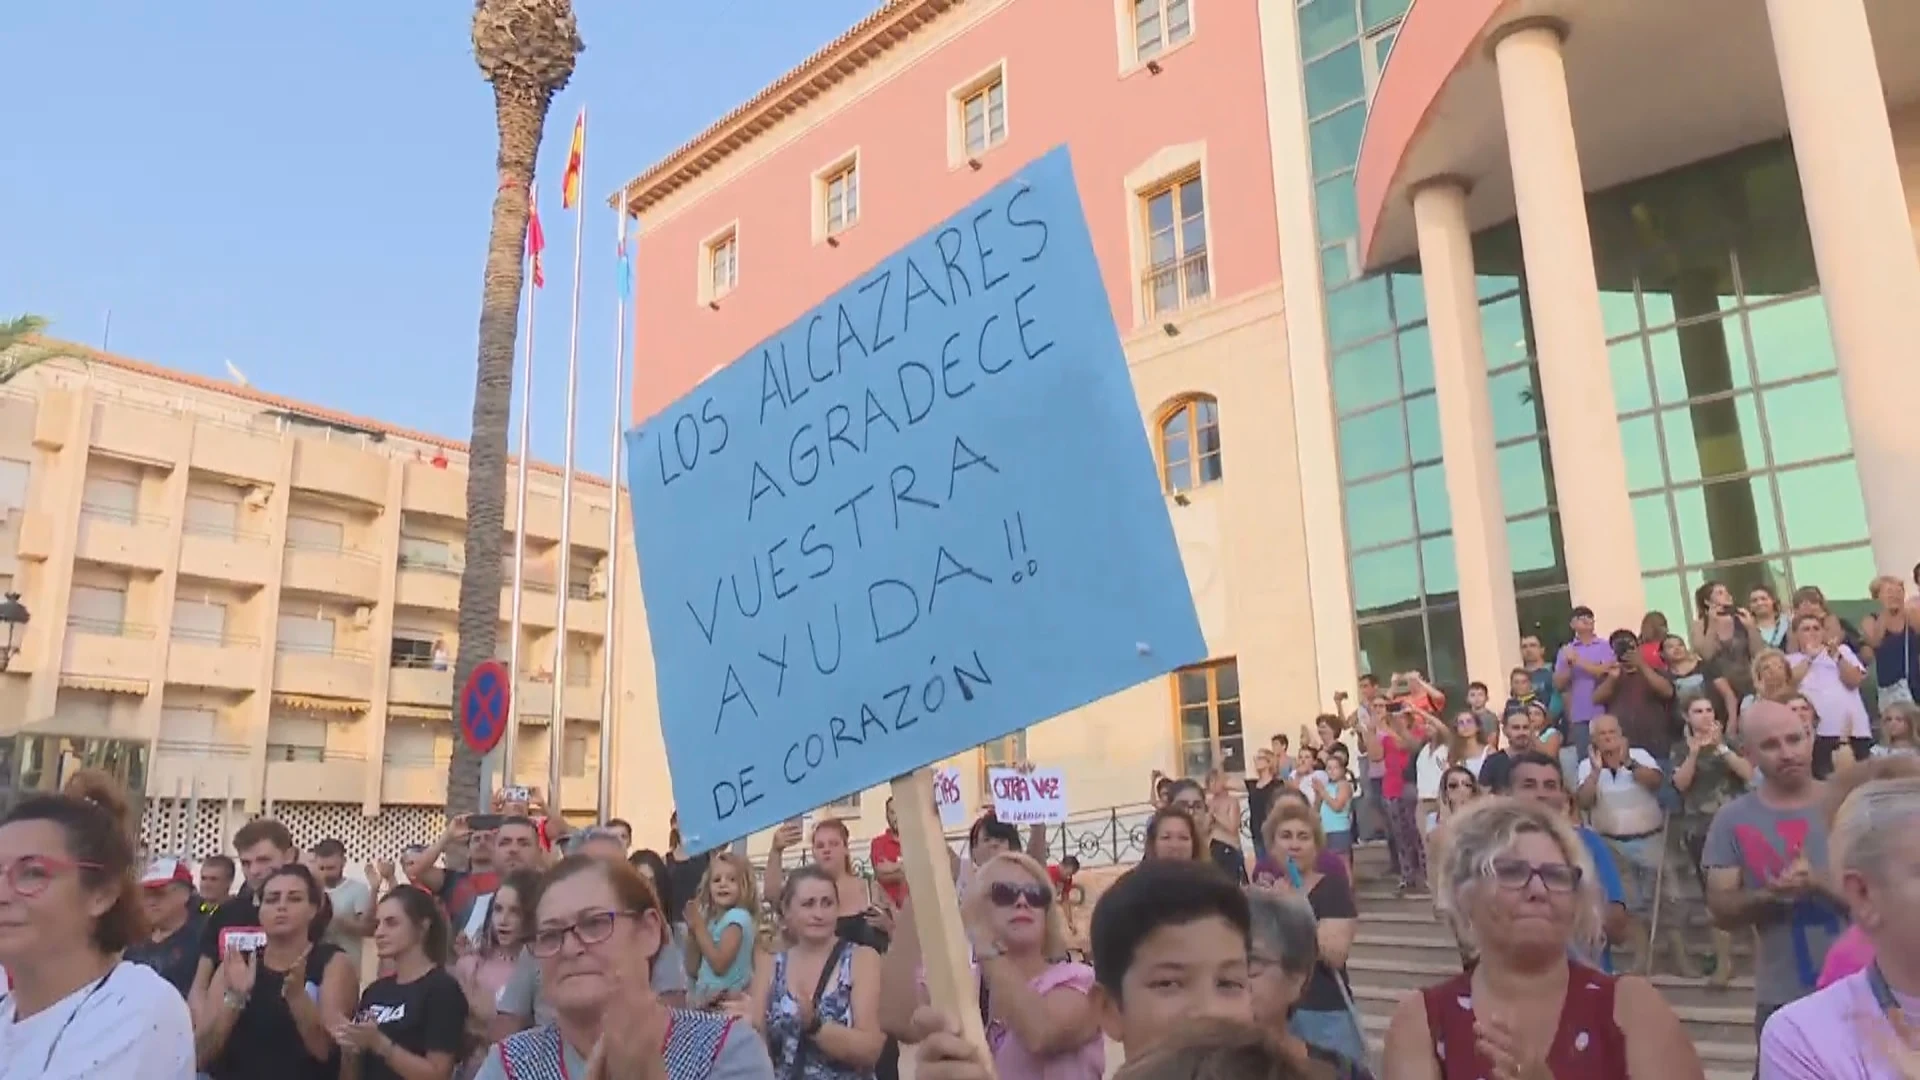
point(1581, 665)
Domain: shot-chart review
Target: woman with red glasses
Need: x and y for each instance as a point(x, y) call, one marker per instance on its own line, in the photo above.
point(69, 905)
point(1040, 1021)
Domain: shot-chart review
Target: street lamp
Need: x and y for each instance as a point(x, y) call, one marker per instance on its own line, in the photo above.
point(13, 616)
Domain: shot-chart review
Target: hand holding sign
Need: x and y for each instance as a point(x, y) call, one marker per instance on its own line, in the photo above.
point(946, 797)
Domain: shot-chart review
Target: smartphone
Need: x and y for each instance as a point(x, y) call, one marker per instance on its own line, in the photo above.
point(1293, 873)
point(484, 822)
point(516, 794)
point(244, 939)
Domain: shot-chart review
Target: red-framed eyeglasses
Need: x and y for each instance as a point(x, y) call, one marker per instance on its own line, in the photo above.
point(30, 875)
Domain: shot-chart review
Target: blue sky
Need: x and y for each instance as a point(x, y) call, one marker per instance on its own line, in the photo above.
point(304, 189)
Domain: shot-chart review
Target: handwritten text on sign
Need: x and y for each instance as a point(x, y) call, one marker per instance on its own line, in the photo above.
point(1028, 798)
point(922, 516)
point(946, 797)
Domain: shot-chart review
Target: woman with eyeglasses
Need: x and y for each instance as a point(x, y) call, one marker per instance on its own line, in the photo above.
point(69, 905)
point(1520, 885)
point(1324, 1015)
point(272, 1009)
point(1035, 1003)
point(596, 931)
point(817, 1001)
point(1283, 956)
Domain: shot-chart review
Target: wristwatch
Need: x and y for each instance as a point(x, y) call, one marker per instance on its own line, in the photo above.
point(233, 1001)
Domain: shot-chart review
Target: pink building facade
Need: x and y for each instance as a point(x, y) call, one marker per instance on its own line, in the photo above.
point(918, 111)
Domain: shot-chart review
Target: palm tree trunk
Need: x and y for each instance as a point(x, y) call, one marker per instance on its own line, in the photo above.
point(520, 122)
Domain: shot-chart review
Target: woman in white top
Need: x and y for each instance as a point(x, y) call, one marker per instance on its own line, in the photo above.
point(69, 904)
point(1429, 766)
point(1829, 674)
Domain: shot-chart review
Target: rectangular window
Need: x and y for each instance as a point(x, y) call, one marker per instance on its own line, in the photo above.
point(208, 516)
point(840, 197)
point(315, 534)
point(1176, 239)
point(1159, 25)
point(423, 554)
point(296, 735)
point(1206, 701)
point(411, 649)
point(189, 727)
point(298, 633)
point(13, 485)
point(574, 763)
point(983, 117)
point(1001, 752)
point(199, 620)
point(850, 802)
point(723, 265)
point(97, 610)
point(111, 498)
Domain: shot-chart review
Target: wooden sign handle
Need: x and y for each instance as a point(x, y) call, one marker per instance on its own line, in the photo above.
point(936, 907)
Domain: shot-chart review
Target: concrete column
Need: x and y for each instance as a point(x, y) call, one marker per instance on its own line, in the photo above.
point(1603, 561)
point(1488, 620)
point(1863, 246)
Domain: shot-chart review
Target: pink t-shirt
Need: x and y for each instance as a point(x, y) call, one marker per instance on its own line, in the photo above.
point(1393, 760)
point(1015, 1062)
point(1848, 955)
point(1831, 1034)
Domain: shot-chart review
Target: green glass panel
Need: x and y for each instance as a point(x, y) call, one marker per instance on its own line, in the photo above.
point(1430, 503)
point(1333, 203)
point(1382, 46)
point(1374, 13)
point(1664, 593)
point(1335, 80)
point(1726, 521)
point(1386, 579)
point(1335, 268)
point(1515, 397)
point(1628, 359)
point(1409, 299)
point(1658, 308)
point(1822, 506)
point(1807, 421)
point(1446, 641)
point(1358, 311)
point(1791, 338)
point(1489, 286)
point(1523, 478)
point(1713, 438)
point(1619, 313)
point(1379, 512)
point(1698, 360)
point(1325, 25)
point(1395, 644)
point(1503, 327)
point(1842, 575)
point(1373, 442)
point(1530, 544)
point(1416, 360)
point(1365, 376)
point(1335, 140)
point(1653, 530)
point(1640, 441)
point(1423, 427)
point(1437, 564)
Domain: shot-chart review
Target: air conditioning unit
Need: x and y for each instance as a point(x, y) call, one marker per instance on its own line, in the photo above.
point(362, 618)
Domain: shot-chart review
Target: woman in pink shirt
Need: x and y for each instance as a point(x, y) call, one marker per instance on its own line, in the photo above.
point(1040, 1019)
point(1391, 739)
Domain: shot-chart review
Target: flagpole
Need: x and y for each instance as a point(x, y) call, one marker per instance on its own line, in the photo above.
point(557, 722)
point(605, 794)
point(510, 738)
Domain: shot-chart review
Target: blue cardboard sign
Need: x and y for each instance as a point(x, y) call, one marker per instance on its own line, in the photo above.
point(923, 516)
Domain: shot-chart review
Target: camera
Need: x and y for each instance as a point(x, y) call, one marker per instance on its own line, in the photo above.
point(1623, 643)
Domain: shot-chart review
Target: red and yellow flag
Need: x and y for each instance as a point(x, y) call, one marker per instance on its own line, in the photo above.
point(536, 238)
point(576, 161)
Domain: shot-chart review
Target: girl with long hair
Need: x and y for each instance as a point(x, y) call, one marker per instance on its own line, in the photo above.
point(486, 968)
point(69, 906)
point(411, 1024)
point(1171, 834)
point(722, 926)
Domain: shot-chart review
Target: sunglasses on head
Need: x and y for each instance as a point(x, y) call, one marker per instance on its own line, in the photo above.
point(1006, 894)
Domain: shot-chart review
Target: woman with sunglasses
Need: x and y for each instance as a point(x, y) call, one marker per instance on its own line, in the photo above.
point(1519, 884)
point(1040, 1021)
point(1458, 789)
point(69, 905)
point(596, 931)
point(818, 1000)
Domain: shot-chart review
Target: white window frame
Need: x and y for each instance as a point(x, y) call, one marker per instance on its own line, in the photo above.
point(1137, 52)
point(723, 240)
point(978, 85)
point(844, 168)
point(15, 478)
point(1162, 168)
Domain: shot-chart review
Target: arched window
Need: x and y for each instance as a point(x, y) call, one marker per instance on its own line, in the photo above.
point(1190, 444)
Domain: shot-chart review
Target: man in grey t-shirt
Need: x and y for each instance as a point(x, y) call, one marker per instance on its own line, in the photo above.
point(1766, 862)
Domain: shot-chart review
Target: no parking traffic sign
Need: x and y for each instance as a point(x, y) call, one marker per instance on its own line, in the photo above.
point(484, 704)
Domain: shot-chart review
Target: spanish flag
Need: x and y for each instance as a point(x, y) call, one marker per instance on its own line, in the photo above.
point(536, 238)
point(576, 161)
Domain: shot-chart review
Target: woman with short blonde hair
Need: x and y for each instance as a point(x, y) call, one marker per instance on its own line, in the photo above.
point(1520, 886)
point(1323, 1015)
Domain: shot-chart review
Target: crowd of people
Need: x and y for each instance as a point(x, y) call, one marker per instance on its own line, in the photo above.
point(1729, 781)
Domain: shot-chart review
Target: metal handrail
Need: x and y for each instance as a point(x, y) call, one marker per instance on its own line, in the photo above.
point(282, 646)
point(119, 628)
point(1188, 277)
point(422, 663)
point(98, 512)
point(213, 637)
point(341, 550)
point(430, 566)
point(225, 532)
point(199, 748)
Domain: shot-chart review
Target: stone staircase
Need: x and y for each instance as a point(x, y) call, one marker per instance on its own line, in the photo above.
point(1400, 948)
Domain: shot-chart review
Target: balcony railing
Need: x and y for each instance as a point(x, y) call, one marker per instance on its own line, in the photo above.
point(424, 663)
point(199, 749)
point(431, 564)
point(119, 628)
point(1169, 287)
point(101, 512)
point(317, 649)
point(220, 638)
point(223, 532)
point(415, 761)
point(324, 548)
point(580, 590)
point(296, 752)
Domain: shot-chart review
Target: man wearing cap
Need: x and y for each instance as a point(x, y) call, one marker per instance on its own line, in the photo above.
point(172, 947)
point(1582, 665)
